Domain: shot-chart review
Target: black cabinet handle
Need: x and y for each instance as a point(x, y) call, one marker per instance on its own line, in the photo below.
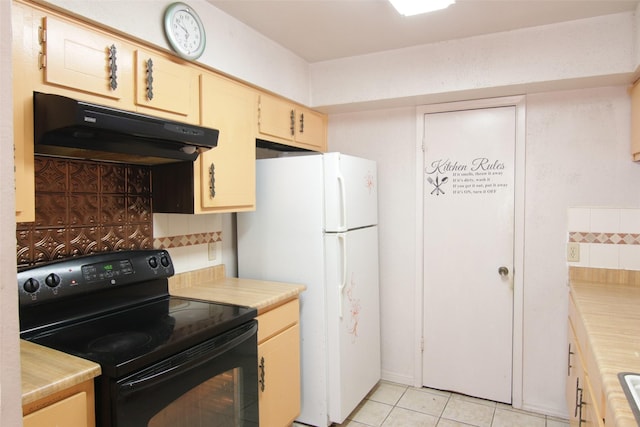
point(113, 68)
point(292, 122)
point(149, 79)
point(301, 122)
point(212, 181)
point(569, 361)
point(262, 369)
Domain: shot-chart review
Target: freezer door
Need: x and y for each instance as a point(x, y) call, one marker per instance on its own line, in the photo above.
point(353, 318)
point(351, 192)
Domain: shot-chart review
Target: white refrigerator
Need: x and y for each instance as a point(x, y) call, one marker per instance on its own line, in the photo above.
point(316, 224)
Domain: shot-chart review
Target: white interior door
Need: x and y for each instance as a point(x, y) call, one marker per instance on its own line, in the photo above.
point(469, 162)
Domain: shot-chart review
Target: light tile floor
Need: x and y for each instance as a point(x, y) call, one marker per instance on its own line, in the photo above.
point(396, 405)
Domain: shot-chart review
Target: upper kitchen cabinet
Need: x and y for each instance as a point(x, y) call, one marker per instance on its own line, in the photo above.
point(228, 172)
point(635, 121)
point(25, 50)
point(86, 61)
point(165, 87)
point(54, 55)
point(221, 179)
point(283, 122)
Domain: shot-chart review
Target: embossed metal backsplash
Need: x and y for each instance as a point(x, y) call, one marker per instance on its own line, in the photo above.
point(85, 207)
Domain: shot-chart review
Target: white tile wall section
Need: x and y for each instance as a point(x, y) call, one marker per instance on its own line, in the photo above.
point(630, 221)
point(608, 237)
point(187, 239)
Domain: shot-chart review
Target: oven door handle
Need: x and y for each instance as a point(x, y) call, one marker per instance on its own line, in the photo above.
point(198, 355)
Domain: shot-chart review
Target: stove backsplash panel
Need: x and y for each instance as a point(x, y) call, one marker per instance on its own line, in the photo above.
point(84, 207)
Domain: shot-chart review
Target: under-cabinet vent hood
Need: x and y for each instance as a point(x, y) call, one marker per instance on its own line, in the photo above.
point(69, 128)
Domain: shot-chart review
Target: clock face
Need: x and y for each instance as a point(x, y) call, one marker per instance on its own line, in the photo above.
point(184, 31)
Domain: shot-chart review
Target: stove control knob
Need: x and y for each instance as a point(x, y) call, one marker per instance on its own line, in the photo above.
point(52, 280)
point(31, 285)
point(164, 261)
point(153, 262)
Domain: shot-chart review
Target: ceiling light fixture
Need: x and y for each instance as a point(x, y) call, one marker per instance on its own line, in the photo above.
point(416, 7)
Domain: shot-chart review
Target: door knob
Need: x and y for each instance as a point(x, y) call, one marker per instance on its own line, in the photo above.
point(503, 271)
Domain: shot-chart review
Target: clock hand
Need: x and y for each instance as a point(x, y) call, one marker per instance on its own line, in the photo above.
point(183, 28)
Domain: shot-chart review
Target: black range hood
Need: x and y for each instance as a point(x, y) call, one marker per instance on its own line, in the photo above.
point(69, 128)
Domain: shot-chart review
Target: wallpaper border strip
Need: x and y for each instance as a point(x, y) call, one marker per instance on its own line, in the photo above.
point(178, 241)
point(605, 238)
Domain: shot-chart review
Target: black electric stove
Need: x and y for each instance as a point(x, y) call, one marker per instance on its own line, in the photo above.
point(115, 309)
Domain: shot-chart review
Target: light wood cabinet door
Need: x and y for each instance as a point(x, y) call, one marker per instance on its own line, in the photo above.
point(575, 380)
point(311, 129)
point(279, 365)
point(25, 51)
point(71, 411)
point(286, 123)
point(166, 87)
point(585, 410)
point(86, 61)
point(279, 385)
point(227, 180)
point(276, 117)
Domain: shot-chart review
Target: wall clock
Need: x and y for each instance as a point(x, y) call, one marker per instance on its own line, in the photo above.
point(184, 31)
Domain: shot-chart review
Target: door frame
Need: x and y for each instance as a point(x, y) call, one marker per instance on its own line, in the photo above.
point(519, 102)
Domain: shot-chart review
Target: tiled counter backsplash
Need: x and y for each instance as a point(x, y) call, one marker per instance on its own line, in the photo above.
point(84, 207)
point(608, 237)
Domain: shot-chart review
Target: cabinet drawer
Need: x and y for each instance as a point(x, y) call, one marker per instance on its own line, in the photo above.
point(278, 319)
point(71, 411)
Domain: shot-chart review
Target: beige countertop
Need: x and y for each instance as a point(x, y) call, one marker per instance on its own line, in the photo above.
point(210, 286)
point(46, 371)
point(611, 316)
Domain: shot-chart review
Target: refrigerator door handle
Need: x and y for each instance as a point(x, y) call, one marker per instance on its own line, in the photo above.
point(342, 238)
point(343, 202)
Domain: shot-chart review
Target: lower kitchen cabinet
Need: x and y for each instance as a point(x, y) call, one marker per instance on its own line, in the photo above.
point(585, 400)
point(71, 407)
point(279, 365)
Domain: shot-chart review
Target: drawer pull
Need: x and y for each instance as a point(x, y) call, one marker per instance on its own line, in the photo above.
point(262, 369)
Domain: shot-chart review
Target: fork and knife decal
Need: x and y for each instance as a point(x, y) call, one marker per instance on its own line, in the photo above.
point(437, 183)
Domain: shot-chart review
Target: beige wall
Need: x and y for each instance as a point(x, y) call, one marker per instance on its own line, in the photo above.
point(10, 392)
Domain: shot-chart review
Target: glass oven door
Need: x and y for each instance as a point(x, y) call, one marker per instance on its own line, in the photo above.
point(213, 384)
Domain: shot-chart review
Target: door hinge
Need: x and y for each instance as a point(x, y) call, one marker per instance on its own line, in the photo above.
point(422, 345)
point(42, 35)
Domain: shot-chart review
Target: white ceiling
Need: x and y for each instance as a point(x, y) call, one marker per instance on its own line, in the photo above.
point(318, 30)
